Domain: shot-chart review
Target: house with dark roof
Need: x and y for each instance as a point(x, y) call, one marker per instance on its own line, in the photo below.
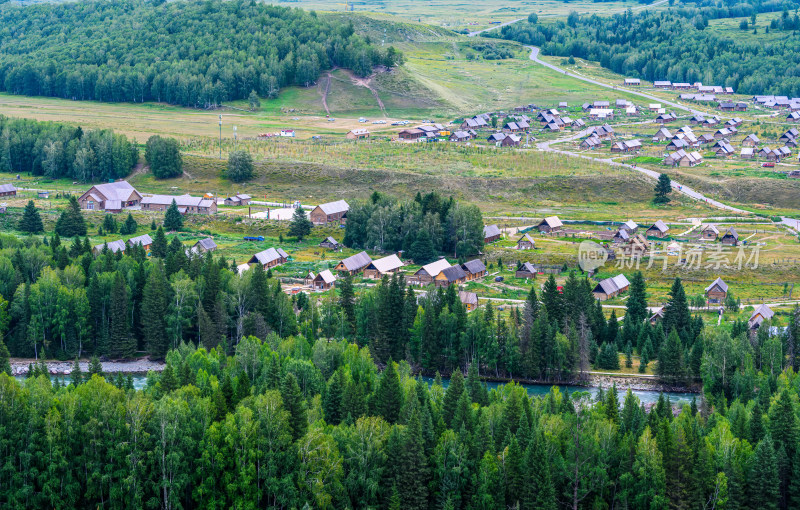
point(717, 291)
point(450, 275)
point(269, 258)
point(113, 246)
point(621, 236)
point(709, 232)
point(110, 197)
point(238, 199)
point(331, 212)
point(353, 264)
point(751, 140)
point(630, 226)
point(491, 233)
point(474, 269)
point(185, 203)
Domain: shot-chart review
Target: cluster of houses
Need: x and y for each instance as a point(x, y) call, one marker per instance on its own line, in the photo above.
point(424, 132)
point(596, 135)
point(778, 102)
point(145, 241)
point(603, 110)
point(113, 197)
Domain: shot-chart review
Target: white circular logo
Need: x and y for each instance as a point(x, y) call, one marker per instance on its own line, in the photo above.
point(591, 255)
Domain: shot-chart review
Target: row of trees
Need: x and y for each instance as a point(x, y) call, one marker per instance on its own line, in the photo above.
point(423, 228)
point(187, 53)
point(58, 150)
point(670, 45)
point(285, 423)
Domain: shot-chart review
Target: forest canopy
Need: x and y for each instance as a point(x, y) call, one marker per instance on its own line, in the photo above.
point(188, 53)
point(58, 150)
point(675, 45)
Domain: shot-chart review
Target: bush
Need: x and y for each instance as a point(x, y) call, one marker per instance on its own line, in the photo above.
point(240, 166)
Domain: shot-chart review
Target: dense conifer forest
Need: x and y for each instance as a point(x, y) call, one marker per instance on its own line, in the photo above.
point(187, 53)
point(675, 45)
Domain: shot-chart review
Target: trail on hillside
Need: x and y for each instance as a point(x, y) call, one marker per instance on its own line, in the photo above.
point(367, 83)
point(324, 92)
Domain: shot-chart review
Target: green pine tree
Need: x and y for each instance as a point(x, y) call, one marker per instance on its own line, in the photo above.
point(121, 343)
point(388, 397)
point(347, 300)
point(5, 365)
point(637, 300)
point(71, 222)
point(676, 311)
point(763, 482)
point(159, 246)
point(663, 189)
point(76, 376)
point(95, 367)
point(451, 396)
point(31, 222)
point(173, 220)
point(110, 223)
point(300, 225)
point(671, 367)
point(538, 490)
point(129, 227)
point(154, 303)
point(295, 405)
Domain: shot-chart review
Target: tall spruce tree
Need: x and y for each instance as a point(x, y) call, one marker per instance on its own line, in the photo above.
point(388, 398)
point(172, 218)
point(31, 222)
point(71, 222)
point(120, 342)
point(300, 226)
point(159, 246)
point(671, 367)
point(676, 311)
point(538, 490)
point(637, 299)
point(129, 227)
point(347, 302)
point(414, 474)
point(295, 405)
point(763, 482)
point(154, 303)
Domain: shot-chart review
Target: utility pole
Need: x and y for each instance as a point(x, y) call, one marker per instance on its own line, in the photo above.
point(235, 145)
point(220, 137)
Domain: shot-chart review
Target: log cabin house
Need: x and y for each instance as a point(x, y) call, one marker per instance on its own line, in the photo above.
point(526, 242)
point(331, 212)
point(111, 197)
point(8, 190)
point(474, 269)
point(428, 272)
point(658, 229)
point(144, 240)
point(526, 270)
point(468, 299)
point(709, 232)
point(550, 224)
point(114, 247)
point(717, 291)
point(760, 314)
point(331, 244)
point(354, 264)
point(269, 258)
point(383, 266)
point(491, 234)
point(731, 237)
point(611, 287)
point(324, 280)
point(450, 275)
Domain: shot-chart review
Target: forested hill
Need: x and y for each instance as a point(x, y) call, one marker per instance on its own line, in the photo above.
point(188, 53)
point(676, 45)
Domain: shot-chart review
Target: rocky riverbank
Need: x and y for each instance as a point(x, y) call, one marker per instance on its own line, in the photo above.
point(139, 366)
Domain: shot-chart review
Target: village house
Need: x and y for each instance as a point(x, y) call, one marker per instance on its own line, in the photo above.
point(504, 140)
point(633, 82)
point(526, 242)
point(353, 264)
point(449, 276)
point(601, 113)
point(697, 119)
point(110, 197)
point(550, 224)
point(331, 244)
point(269, 258)
point(601, 132)
point(411, 134)
point(526, 270)
point(761, 313)
point(460, 136)
point(681, 86)
point(636, 247)
point(683, 158)
point(331, 212)
point(709, 232)
point(358, 134)
point(383, 266)
point(659, 229)
point(750, 140)
point(747, 153)
point(658, 315)
point(731, 237)
point(626, 146)
point(717, 291)
point(468, 299)
point(324, 280)
point(474, 123)
point(654, 107)
point(724, 149)
point(144, 240)
point(789, 135)
point(474, 269)
point(631, 111)
point(8, 190)
point(621, 236)
point(491, 233)
point(204, 245)
point(113, 246)
point(591, 142)
point(428, 272)
point(662, 134)
point(611, 287)
point(187, 204)
point(793, 117)
point(665, 118)
point(237, 199)
point(662, 84)
point(677, 144)
point(727, 106)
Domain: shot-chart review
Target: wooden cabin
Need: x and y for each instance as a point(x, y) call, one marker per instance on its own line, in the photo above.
point(491, 233)
point(659, 229)
point(269, 258)
point(428, 272)
point(468, 299)
point(709, 233)
point(550, 224)
point(731, 237)
point(474, 269)
point(717, 291)
point(449, 276)
point(324, 280)
point(354, 264)
point(611, 287)
point(526, 242)
point(144, 240)
point(760, 314)
point(527, 270)
point(332, 212)
point(383, 266)
point(331, 244)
